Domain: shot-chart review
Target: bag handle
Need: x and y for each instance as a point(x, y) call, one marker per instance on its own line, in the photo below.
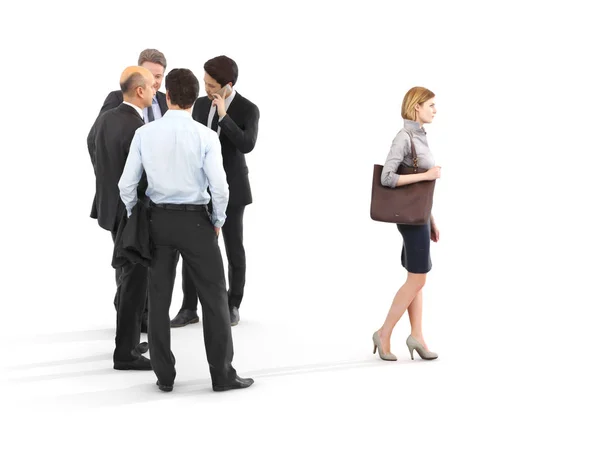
point(413, 151)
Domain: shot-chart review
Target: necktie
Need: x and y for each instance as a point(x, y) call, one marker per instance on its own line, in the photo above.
point(150, 114)
point(214, 124)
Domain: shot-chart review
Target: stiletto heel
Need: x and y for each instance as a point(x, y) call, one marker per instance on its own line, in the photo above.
point(377, 347)
point(413, 344)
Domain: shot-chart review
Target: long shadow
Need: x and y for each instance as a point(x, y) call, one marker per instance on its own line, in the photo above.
point(69, 336)
point(61, 376)
point(148, 392)
point(62, 362)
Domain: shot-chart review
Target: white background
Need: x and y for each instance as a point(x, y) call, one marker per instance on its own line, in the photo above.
point(511, 304)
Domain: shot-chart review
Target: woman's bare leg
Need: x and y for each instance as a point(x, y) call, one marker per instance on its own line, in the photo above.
point(415, 315)
point(402, 300)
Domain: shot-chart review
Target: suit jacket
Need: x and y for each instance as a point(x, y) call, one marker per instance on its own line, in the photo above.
point(239, 129)
point(115, 98)
point(133, 243)
point(108, 143)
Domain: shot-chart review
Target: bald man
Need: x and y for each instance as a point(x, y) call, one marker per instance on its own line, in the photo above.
point(108, 143)
point(156, 62)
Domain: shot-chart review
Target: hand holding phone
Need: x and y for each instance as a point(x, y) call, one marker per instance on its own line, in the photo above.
point(224, 91)
point(219, 99)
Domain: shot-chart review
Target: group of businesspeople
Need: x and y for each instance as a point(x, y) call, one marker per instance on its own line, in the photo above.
point(171, 175)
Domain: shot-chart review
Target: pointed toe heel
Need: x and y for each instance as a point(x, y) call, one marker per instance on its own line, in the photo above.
point(377, 347)
point(413, 344)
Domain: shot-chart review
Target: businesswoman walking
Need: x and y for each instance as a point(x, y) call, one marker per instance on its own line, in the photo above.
point(418, 108)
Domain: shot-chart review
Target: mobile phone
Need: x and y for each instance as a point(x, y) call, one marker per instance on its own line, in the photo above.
point(224, 91)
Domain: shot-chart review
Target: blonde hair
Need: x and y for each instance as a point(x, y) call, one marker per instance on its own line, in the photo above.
point(414, 97)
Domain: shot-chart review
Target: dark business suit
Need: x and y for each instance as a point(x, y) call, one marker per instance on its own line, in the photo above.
point(239, 130)
point(108, 144)
point(113, 100)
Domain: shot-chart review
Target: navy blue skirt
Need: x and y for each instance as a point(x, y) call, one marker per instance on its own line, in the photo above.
point(415, 251)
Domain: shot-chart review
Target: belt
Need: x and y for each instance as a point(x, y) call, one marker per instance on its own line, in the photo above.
point(179, 206)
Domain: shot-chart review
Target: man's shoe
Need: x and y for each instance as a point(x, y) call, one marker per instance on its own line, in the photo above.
point(142, 347)
point(185, 317)
point(237, 383)
point(142, 363)
point(234, 316)
point(164, 387)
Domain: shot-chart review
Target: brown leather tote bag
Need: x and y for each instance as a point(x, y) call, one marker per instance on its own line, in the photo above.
point(409, 204)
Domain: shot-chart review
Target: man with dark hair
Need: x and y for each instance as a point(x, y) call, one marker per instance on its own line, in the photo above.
point(235, 119)
point(181, 159)
point(108, 144)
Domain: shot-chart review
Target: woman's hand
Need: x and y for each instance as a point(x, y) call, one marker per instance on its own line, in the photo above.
point(434, 173)
point(435, 233)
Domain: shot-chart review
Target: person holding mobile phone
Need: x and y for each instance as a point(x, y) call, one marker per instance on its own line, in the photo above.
point(235, 119)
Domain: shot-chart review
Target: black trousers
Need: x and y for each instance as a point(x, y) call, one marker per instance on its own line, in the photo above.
point(118, 275)
point(233, 237)
point(130, 300)
point(191, 234)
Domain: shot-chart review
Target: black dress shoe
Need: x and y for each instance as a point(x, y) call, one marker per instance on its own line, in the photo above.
point(164, 387)
point(142, 347)
point(234, 316)
point(185, 317)
point(237, 383)
point(142, 363)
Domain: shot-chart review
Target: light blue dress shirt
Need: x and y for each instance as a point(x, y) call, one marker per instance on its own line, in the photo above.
point(155, 110)
point(181, 158)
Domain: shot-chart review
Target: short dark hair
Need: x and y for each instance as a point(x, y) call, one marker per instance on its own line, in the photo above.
point(222, 69)
point(183, 87)
point(152, 55)
point(134, 81)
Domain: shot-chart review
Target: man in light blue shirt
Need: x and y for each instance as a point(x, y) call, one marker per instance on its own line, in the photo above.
point(181, 159)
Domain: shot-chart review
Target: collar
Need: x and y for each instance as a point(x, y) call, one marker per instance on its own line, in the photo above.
point(413, 126)
point(137, 108)
point(178, 113)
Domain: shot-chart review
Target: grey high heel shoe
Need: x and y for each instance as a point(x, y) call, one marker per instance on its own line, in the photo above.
point(377, 347)
point(413, 344)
